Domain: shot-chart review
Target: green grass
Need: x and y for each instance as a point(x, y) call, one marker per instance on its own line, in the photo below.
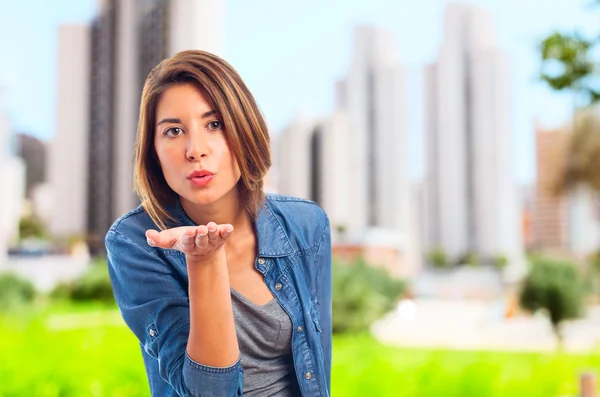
point(363, 367)
point(45, 356)
point(85, 350)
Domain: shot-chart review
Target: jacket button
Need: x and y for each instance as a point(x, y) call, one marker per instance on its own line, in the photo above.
point(308, 375)
point(152, 332)
point(278, 286)
point(300, 329)
point(261, 261)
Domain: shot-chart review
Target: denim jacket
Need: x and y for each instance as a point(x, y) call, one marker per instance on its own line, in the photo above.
point(150, 286)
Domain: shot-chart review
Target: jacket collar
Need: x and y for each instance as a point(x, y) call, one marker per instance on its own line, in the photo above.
point(272, 238)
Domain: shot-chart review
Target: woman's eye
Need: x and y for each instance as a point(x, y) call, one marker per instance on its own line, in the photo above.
point(173, 132)
point(214, 125)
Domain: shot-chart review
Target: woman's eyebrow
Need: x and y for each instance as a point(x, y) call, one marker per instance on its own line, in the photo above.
point(169, 120)
point(178, 121)
point(208, 114)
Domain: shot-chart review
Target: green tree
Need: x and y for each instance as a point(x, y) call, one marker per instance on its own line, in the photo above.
point(361, 295)
point(556, 288)
point(569, 63)
point(15, 292)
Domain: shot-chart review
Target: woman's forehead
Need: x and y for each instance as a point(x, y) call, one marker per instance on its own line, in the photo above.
point(183, 100)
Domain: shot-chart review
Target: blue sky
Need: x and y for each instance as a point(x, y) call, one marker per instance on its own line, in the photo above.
point(291, 53)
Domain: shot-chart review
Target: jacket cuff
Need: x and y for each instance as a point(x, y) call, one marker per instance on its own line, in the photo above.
point(206, 381)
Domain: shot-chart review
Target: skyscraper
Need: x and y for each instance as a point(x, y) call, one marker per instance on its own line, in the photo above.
point(313, 157)
point(68, 149)
point(372, 97)
point(471, 197)
point(550, 210)
point(12, 174)
point(127, 39)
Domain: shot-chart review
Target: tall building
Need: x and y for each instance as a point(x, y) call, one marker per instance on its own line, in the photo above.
point(471, 196)
point(312, 158)
point(550, 210)
point(126, 40)
point(68, 149)
point(33, 152)
point(12, 175)
point(372, 97)
point(583, 226)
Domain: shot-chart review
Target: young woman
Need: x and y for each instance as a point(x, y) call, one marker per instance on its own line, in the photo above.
point(227, 289)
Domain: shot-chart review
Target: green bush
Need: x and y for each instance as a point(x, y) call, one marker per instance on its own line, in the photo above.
point(468, 258)
point(555, 287)
point(500, 261)
point(438, 259)
point(361, 295)
point(32, 226)
point(15, 291)
point(94, 285)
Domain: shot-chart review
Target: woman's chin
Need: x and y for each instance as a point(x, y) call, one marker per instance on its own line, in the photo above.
point(201, 198)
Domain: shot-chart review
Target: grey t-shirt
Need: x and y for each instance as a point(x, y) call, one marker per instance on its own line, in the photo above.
point(264, 335)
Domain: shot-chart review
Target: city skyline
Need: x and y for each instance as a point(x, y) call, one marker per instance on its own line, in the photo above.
point(353, 162)
point(307, 79)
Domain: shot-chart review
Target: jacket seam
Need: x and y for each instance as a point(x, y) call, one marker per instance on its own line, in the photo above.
point(131, 213)
point(130, 241)
point(281, 198)
point(282, 228)
point(327, 226)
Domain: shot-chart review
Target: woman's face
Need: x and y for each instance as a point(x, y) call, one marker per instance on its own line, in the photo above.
point(191, 147)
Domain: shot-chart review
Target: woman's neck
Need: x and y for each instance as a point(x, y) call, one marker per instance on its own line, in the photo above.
point(226, 211)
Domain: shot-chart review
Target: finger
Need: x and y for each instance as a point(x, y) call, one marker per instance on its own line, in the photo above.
point(213, 231)
point(188, 237)
point(225, 231)
point(164, 239)
point(202, 236)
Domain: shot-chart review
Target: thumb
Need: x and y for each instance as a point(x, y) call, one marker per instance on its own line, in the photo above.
point(162, 239)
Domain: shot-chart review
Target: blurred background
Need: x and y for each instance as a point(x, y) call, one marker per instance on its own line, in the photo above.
point(454, 145)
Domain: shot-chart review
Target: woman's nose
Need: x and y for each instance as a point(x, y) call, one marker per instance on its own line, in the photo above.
point(196, 149)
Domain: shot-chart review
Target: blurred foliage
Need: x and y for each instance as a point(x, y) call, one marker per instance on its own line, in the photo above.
point(361, 295)
point(468, 258)
point(438, 259)
point(569, 62)
point(94, 285)
point(582, 163)
point(593, 272)
point(15, 292)
point(364, 367)
point(500, 261)
point(557, 289)
point(32, 226)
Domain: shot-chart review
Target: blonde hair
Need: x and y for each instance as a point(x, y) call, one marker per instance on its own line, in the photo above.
point(245, 129)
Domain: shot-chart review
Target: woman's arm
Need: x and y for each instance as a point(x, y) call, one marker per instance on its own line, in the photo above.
point(212, 340)
point(155, 305)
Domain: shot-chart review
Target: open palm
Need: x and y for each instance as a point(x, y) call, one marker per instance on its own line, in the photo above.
point(198, 241)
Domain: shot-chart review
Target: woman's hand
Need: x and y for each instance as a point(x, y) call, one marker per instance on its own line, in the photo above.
point(197, 242)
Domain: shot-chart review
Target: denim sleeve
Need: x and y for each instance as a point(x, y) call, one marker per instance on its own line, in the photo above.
point(324, 287)
point(153, 301)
